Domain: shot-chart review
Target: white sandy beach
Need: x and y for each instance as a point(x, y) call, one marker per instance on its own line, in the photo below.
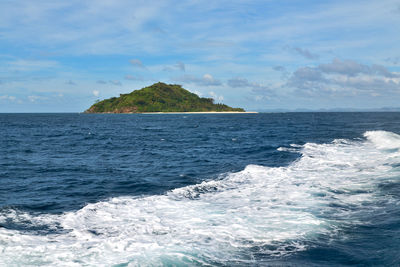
point(203, 112)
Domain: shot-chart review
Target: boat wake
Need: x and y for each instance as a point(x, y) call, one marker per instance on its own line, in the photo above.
point(264, 211)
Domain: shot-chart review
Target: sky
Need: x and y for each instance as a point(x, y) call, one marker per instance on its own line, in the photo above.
point(62, 56)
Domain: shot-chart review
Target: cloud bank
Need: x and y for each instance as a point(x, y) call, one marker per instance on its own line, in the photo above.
point(205, 80)
point(346, 77)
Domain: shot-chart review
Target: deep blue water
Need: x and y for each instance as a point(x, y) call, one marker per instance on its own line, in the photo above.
point(190, 189)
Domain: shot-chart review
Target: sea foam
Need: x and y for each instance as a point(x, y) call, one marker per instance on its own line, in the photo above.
point(260, 210)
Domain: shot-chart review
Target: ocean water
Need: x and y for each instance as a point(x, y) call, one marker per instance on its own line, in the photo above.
point(291, 189)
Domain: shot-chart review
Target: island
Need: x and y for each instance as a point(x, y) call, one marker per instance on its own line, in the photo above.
point(160, 98)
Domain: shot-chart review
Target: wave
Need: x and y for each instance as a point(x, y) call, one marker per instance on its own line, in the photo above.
point(260, 210)
point(383, 139)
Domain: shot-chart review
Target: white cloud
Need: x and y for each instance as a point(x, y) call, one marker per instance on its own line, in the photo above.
point(31, 65)
point(133, 78)
point(178, 66)
point(136, 63)
point(205, 80)
point(352, 68)
point(261, 98)
point(216, 97)
point(208, 77)
point(80, 27)
point(305, 53)
point(112, 82)
point(131, 30)
point(115, 82)
point(96, 92)
point(198, 93)
point(8, 97)
point(346, 77)
point(34, 98)
point(239, 82)
point(108, 27)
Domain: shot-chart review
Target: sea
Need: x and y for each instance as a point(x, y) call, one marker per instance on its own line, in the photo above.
point(266, 189)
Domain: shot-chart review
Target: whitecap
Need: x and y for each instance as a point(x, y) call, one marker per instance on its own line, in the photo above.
point(276, 210)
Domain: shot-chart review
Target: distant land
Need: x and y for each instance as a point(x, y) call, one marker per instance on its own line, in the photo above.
point(384, 109)
point(162, 98)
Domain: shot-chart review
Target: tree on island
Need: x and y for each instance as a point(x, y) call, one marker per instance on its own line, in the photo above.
point(159, 97)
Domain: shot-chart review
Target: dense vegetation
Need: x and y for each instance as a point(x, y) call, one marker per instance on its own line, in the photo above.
point(159, 97)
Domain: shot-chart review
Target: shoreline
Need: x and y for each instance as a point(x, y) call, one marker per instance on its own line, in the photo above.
point(202, 112)
point(182, 112)
point(178, 112)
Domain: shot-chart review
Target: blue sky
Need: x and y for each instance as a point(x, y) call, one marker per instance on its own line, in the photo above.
point(60, 56)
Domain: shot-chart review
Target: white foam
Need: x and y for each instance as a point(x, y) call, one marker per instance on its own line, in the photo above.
point(383, 139)
point(218, 221)
point(288, 149)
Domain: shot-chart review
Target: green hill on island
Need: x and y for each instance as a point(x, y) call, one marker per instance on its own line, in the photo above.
point(159, 97)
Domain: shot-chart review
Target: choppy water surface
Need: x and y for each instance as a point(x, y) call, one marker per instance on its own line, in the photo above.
point(188, 189)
